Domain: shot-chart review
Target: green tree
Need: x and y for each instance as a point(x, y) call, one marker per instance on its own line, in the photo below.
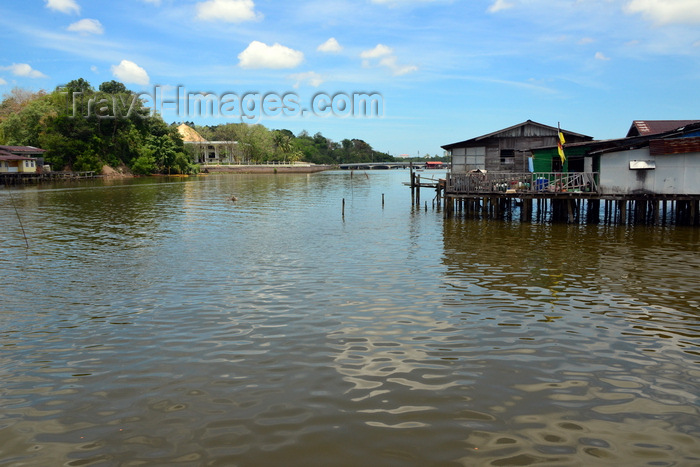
point(113, 87)
point(78, 85)
point(145, 163)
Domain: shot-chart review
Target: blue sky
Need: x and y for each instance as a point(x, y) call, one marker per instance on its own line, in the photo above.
point(447, 70)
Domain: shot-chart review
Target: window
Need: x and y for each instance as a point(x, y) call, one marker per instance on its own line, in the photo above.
point(466, 159)
point(556, 164)
point(476, 158)
point(508, 157)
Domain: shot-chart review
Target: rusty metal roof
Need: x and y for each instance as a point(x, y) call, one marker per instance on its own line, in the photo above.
point(652, 127)
point(6, 156)
point(22, 149)
point(660, 147)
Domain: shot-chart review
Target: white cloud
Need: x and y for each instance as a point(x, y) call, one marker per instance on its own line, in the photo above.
point(231, 11)
point(666, 11)
point(601, 56)
point(379, 51)
point(500, 5)
point(397, 70)
point(94, 69)
point(387, 59)
point(129, 72)
point(155, 2)
point(330, 46)
point(87, 26)
point(586, 40)
point(259, 55)
point(2, 82)
point(64, 6)
point(310, 77)
point(23, 69)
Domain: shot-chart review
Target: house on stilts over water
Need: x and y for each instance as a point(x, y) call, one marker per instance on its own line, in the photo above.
point(540, 172)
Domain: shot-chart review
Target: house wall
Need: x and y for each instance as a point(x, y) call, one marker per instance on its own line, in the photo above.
point(543, 159)
point(508, 150)
point(491, 150)
point(675, 174)
point(520, 146)
point(15, 166)
point(26, 166)
point(214, 152)
point(465, 159)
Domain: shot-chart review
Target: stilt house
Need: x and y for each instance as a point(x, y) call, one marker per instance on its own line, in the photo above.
point(507, 150)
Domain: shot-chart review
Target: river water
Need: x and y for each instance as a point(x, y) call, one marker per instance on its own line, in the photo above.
point(156, 322)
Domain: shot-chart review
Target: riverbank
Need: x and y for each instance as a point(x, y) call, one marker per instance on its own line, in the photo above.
point(266, 169)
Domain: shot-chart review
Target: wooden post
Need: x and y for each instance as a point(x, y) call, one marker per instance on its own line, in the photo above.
point(417, 190)
point(449, 206)
point(663, 214)
point(693, 211)
point(343, 208)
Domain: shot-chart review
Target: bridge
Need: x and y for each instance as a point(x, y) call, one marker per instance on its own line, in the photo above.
point(382, 165)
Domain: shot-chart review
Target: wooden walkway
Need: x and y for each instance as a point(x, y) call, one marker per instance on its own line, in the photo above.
point(552, 197)
point(26, 178)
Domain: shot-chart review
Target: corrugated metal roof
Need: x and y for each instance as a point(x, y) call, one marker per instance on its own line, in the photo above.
point(6, 156)
point(660, 147)
point(652, 127)
point(551, 131)
point(22, 149)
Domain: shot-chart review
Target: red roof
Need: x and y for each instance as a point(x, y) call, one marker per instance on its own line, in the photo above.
point(22, 149)
point(652, 127)
point(12, 157)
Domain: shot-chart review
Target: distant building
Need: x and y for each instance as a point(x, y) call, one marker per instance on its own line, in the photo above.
point(20, 159)
point(506, 150)
point(654, 127)
point(209, 152)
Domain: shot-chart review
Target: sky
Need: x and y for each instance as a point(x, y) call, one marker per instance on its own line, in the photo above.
point(434, 71)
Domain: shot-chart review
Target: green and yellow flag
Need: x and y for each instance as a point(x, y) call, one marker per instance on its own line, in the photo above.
point(560, 146)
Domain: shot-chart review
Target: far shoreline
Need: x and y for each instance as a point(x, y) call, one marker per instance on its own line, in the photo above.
point(265, 169)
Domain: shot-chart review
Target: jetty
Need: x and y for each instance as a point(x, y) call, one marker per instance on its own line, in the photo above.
point(545, 173)
point(551, 197)
point(20, 178)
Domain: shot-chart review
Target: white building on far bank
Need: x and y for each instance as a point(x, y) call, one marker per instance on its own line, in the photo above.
point(209, 152)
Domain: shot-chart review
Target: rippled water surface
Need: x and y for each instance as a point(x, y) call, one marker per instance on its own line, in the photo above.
point(155, 322)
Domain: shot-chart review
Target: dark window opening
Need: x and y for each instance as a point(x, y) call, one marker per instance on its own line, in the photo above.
point(576, 165)
point(556, 164)
point(508, 156)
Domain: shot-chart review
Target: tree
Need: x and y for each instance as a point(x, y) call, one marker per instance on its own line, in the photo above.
point(283, 145)
point(14, 101)
point(113, 87)
point(78, 85)
point(87, 140)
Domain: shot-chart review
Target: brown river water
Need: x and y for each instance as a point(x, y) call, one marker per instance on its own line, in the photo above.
point(154, 322)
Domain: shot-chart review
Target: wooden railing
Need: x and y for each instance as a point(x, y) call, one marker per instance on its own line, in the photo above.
point(537, 182)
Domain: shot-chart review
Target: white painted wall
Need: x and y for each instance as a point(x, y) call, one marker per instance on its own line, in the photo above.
point(675, 174)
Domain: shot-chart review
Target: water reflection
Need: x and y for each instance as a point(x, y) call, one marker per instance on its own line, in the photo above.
point(156, 322)
point(558, 313)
